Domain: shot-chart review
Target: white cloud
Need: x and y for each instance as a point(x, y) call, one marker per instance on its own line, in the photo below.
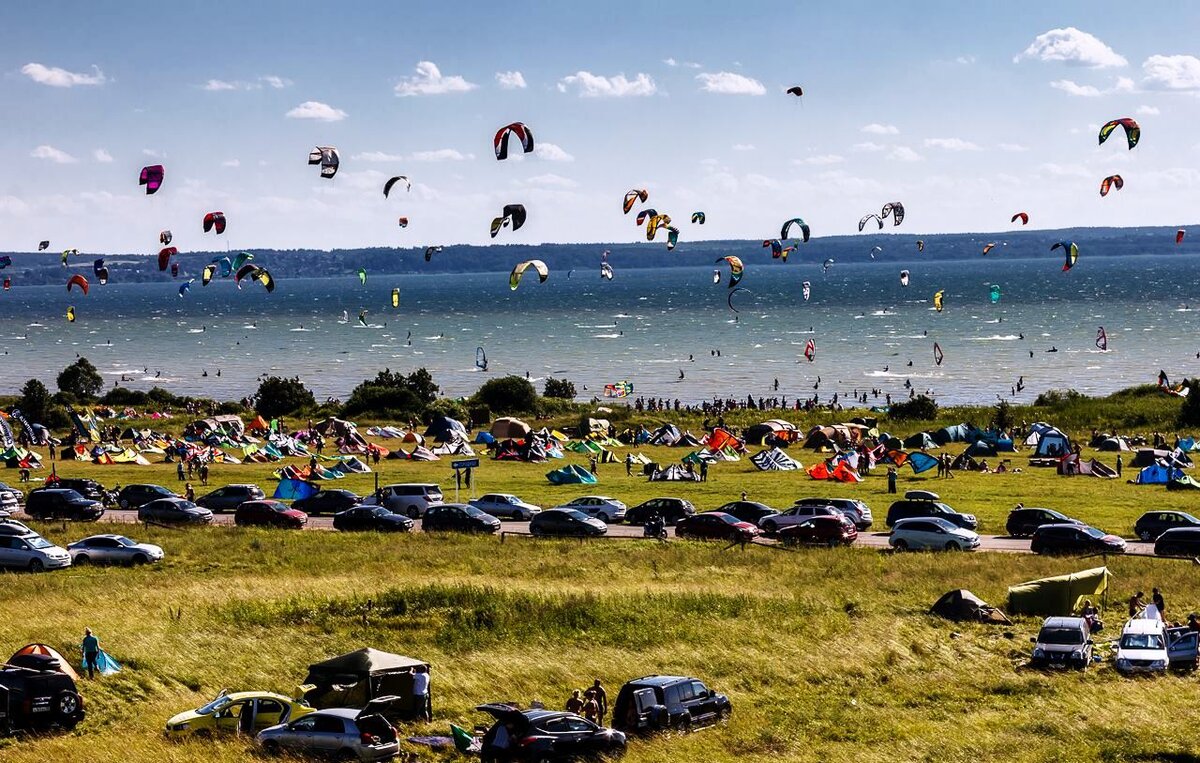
point(232, 163)
point(1065, 170)
point(275, 82)
point(590, 85)
point(823, 160)
point(904, 154)
point(153, 153)
point(510, 80)
point(1014, 148)
point(1148, 111)
point(377, 156)
point(56, 77)
point(1073, 88)
point(1172, 73)
point(549, 180)
point(102, 156)
point(951, 144)
point(429, 80)
point(965, 60)
point(322, 112)
point(868, 146)
point(728, 83)
point(217, 85)
point(551, 153)
point(743, 147)
point(270, 80)
point(877, 129)
point(1074, 47)
point(52, 154)
point(440, 155)
point(670, 62)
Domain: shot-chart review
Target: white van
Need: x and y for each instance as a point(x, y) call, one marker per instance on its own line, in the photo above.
point(409, 499)
point(1143, 647)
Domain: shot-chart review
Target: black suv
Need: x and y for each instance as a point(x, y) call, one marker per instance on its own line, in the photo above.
point(133, 496)
point(920, 507)
point(228, 498)
point(1025, 521)
point(670, 509)
point(1074, 539)
point(59, 503)
point(657, 703)
point(90, 489)
point(33, 699)
point(1154, 523)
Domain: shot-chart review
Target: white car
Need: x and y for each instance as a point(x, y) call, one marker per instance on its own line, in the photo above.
point(1143, 647)
point(113, 549)
point(505, 506)
point(22, 548)
point(411, 500)
point(931, 533)
point(601, 507)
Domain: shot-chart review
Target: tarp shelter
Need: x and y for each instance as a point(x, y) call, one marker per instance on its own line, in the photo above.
point(446, 429)
point(42, 657)
point(354, 679)
point(1157, 474)
point(294, 490)
point(960, 604)
point(1073, 465)
point(674, 473)
point(921, 462)
point(572, 474)
point(774, 460)
point(920, 441)
point(1147, 456)
point(981, 449)
point(1183, 483)
point(508, 428)
point(1058, 596)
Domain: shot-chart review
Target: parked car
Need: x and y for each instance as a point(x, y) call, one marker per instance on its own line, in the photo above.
point(269, 514)
point(715, 525)
point(409, 499)
point(505, 506)
point(858, 512)
point(134, 496)
point(458, 517)
point(1143, 647)
point(340, 733)
point(243, 712)
point(113, 549)
point(822, 531)
point(915, 504)
point(550, 735)
point(10, 497)
point(1183, 648)
point(566, 523)
point(1062, 642)
point(670, 509)
point(22, 548)
point(374, 518)
point(658, 703)
point(1180, 541)
point(38, 700)
point(87, 488)
point(228, 498)
point(174, 511)
point(601, 507)
point(1074, 539)
point(55, 503)
point(1154, 523)
point(795, 515)
point(931, 533)
point(327, 502)
point(748, 511)
point(1024, 521)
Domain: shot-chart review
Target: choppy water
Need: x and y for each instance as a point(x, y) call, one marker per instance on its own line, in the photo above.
point(642, 326)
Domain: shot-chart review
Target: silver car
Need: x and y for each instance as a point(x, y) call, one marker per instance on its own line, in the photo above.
point(505, 506)
point(607, 510)
point(340, 733)
point(113, 549)
point(22, 548)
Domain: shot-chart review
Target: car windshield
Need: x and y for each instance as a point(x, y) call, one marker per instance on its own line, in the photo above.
point(1092, 531)
point(942, 508)
point(573, 514)
point(726, 518)
point(379, 511)
point(1142, 641)
point(277, 507)
point(214, 706)
point(178, 505)
point(39, 542)
point(471, 511)
point(1065, 636)
point(122, 540)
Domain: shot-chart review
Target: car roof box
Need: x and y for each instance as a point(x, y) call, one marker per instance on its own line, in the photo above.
point(922, 495)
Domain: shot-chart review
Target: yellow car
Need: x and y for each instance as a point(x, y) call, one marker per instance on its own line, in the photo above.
point(246, 712)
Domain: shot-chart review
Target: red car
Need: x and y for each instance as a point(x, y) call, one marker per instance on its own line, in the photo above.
point(268, 514)
point(716, 525)
point(820, 530)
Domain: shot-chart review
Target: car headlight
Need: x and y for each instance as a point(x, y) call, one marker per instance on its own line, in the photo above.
point(180, 726)
point(1122, 662)
point(1158, 664)
point(1039, 652)
point(1077, 654)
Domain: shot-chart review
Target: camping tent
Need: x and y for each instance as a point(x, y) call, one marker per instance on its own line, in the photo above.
point(1073, 465)
point(508, 428)
point(776, 430)
point(572, 474)
point(1157, 474)
point(961, 604)
point(354, 679)
point(1052, 443)
point(920, 441)
point(1062, 595)
point(1112, 444)
point(774, 460)
point(42, 657)
point(294, 490)
point(446, 429)
point(981, 449)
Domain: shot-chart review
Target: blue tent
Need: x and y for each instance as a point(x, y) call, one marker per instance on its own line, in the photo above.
point(446, 429)
point(572, 474)
point(920, 441)
point(981, 448)
point(921, 462)
point(294, 490)
point(484, 438)
point(1157, 474)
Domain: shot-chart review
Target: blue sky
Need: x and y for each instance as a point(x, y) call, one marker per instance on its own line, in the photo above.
point(966, 112)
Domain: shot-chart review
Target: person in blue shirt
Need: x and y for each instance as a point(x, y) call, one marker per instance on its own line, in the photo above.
point(91, 652)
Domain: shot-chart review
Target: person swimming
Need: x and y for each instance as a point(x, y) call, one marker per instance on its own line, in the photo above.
point(1052, 349)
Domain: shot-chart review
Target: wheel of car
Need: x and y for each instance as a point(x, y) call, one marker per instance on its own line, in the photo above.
point(413, 513)
point(271, 747)
point(724, 713)
point(602, 517)
point(952, 546)
point(123, 503)
point(35, 565)
point(140, 559)
point(833, 543)
point(67, 705)
point(685, 724)
point(770, 526)
point(81, 559)
point(901, 545)
point(1146, 535)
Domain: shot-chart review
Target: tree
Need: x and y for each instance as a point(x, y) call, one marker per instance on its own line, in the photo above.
point(81, 379)
point(920, 408)
point(277, 397)
point(1189, 414)
point(1002, 418)
point(508, 394)
point(393, 394)
point(34, 401)
point(561, 388)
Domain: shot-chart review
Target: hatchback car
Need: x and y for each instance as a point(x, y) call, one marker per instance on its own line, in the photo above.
point(1143, 647)
point(412, 499)
point(546, 735)
point(1181, 541)
point(38, 700)
point(856, 511)
point(715, 525)
point(174, 511)
point(796, 515)
point(1062, 642)
point(1074, 539)
point(228, 498)
point(21, 548)
point(56, 503)
point(601, 507)
point(820, 531)
point(340, 733)
point(566, 523)
point(670, 509)
point(748, 511)
point(327, 502)
point(909, 508)
point(244, 712)
point(113, 549)
point(371, 518)
point(134, 496)
point(1154, 523)
point(1024, 521)
point(658, 703)
point(269, 514)
point(505, 506)
point(931, 533)
point(458, 517)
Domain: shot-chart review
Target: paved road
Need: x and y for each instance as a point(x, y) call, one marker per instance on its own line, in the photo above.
point(1000, 543)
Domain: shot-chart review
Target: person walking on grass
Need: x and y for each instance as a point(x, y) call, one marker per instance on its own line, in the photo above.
point(204, 473)
point(628, 464)
point(704, 471)
point(601, 697)
point(189, 493)
point(891, 474)
point(91, 652)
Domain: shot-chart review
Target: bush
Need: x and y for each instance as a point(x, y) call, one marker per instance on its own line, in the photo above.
point(508, 394)
point(1189, 414)
point(561, 388)
point(452, 409)
point(35, 400)
point(920, 408)
point(1056, 397)
point(382, 402)
point(1002, 418)
point(56, 418)
point(278, 397)
point(480, 416)
point(81, 380)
